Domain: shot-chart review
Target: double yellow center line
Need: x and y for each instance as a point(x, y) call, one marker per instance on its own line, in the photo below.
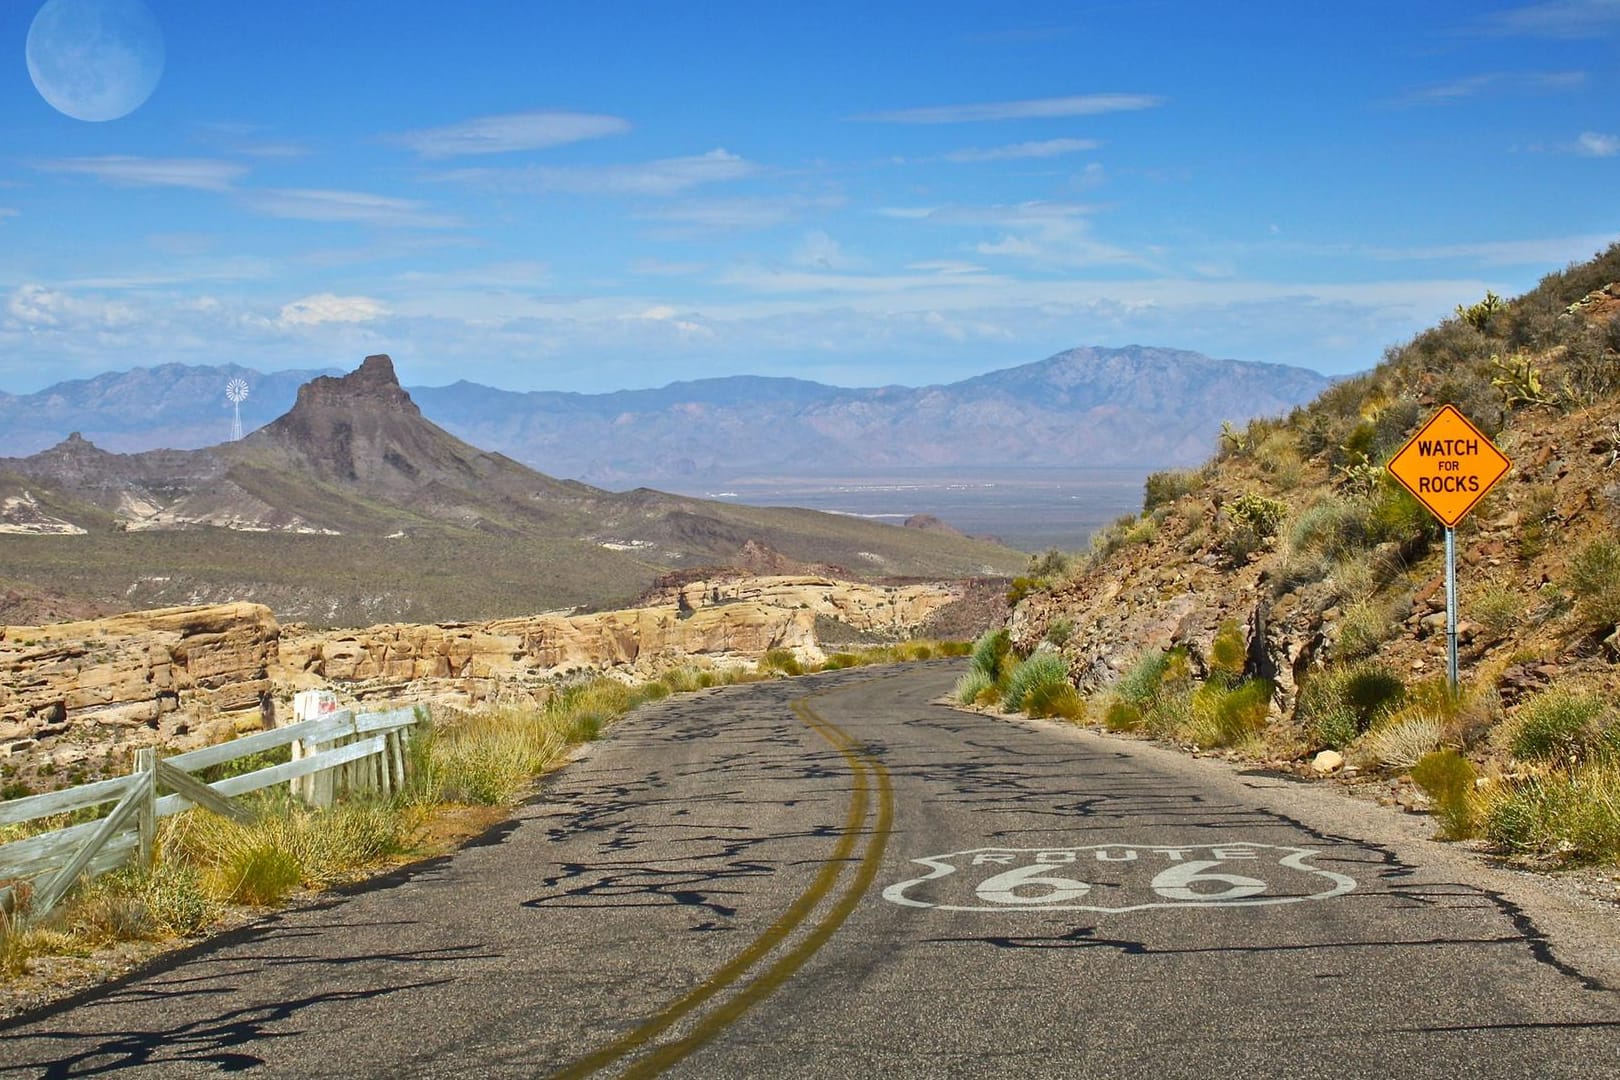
point(871, 784)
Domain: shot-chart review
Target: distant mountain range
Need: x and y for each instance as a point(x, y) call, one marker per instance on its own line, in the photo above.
point(1136, 406)
point(354, 508)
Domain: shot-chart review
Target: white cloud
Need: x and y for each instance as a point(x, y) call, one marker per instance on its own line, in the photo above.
point(1549, 251)
point(358, 207)
point(35, 307)
point(1558, 19)
point(512, 132)
point(1043, 149)
point(1594, 144)
point(663, 268)
point(1035, 109)
point(1497, 81)
point(665, 177)
point(818, 251)
point(202, 174)
point(666, 315)
point(327, 308)
point(746, 212)
point(945, 266)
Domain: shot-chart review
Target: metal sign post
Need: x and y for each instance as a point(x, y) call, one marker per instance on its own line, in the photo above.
point(1451, 608)
point(1448, 466)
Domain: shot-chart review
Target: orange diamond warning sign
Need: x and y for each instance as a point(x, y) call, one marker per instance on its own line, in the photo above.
point(1449, 465)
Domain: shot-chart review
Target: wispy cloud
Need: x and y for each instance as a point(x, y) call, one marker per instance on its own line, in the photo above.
point(1034, 109)
point(1045, 148)
point(746, 212)
point(511, 132)
point(663, 268)
point(5, 212)
point(661, 178)
point(202, 174)
point(328, 308)
point(358, 207)
point(1557, 19)
point(1551, 250)
point(1496, 82)
point(1595, 144)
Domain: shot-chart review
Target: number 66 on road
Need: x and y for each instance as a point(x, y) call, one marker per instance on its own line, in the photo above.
point(1118, 878)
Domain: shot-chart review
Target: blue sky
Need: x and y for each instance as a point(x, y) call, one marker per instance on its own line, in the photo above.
point(594, 196)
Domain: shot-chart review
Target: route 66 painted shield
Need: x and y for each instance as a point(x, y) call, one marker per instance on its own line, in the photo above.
point(1119, 877)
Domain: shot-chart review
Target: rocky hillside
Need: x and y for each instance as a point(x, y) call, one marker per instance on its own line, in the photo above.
point(353, 507)
point(1137, 406)
point(77, 698)
point(1291, 563)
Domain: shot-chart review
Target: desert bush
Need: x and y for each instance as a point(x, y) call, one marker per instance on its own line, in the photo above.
point(1332, 527)
point(1055, 701)
point(1252, 520)
point(1563, 725)
point(1059, 630)
point(990, 695)
point(1279, 458)
point(1574, 815)
point(1402, 741)
point(1480, 315)
point(992, 654)
point(1594, 581)
point(1591, 363)
point(840, 660)
point(780, 662)
point(1396, 516)
point(1220, 714)
point(1228, 652)
point(1039, 669)
point(1145, 679)
point(1164, 488)
point(974, 681)
point(1122, 716)
point(1365, 625)
point(1448, 779)
point(1498, 610)
point(955, 648)
point(1049, 564)
point(1339, 704)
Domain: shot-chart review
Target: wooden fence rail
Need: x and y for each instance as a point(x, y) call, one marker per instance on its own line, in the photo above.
point(342, 753)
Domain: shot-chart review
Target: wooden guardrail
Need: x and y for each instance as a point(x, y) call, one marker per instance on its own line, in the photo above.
point(333, 755)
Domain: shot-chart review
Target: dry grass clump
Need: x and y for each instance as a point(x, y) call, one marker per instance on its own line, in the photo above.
point(1401, 741)
point(1572, 815)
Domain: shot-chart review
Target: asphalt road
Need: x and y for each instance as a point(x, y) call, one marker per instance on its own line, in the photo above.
point(833, 877)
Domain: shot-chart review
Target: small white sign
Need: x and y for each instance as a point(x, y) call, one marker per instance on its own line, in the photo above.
point(1118, 878)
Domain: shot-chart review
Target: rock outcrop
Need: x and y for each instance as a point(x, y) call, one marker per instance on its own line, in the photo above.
point(72, 692)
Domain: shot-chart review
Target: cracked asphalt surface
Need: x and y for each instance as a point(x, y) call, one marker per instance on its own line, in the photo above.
point(834, 877)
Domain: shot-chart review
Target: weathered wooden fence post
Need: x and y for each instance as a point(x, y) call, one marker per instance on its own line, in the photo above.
point(146, 814)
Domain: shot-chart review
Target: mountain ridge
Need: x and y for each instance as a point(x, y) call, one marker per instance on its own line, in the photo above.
point(1137, 405)
point(353, 505)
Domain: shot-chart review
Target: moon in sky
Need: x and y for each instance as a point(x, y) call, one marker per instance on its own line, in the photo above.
point(95, 59)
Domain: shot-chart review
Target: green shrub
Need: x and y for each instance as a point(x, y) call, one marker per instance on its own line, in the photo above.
point(1223, 715)
point(1055, 700)
point(1333, 527)
point(1228, 652)
point(1497, 610)
point(1573, 815)
point(1163, 488)
point(1562, 725)
point(1142, 680)
point(840, 660)
point(972, 683)
point(1402, 741)
point(1059, 631)
point(1397, 517)
point(1339, 704)
point(1252, 520)
point(1122, 716)
point(1040, 669)
point(992, 654)
point(1594, 580)
point(1448, 779)
point(779, 662)
point(1364, 626)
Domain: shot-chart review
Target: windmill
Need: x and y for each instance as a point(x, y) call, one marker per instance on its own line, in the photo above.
point(236, 391)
